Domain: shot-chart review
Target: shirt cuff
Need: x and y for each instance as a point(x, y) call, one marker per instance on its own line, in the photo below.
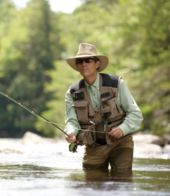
point(125, 129)
point(71, 129)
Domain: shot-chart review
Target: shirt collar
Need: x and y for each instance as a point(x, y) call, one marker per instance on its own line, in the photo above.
point(95, 84)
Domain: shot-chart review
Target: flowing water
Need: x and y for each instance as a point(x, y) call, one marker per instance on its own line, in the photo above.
point(50, 170)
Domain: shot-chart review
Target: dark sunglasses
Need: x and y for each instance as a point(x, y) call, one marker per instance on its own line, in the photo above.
point(86, 60)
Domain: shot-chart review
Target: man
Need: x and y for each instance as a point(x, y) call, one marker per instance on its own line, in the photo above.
point(101, 113)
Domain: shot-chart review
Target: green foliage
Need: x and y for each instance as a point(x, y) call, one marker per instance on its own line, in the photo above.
point(25, 58)
point(155, 40)
point(62, 77)
point(154, 57)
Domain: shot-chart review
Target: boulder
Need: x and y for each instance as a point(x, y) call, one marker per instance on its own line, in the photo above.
point(146, 150)
point(30, 137)
point(147, 146)
point(167, 139)
point(141, 138)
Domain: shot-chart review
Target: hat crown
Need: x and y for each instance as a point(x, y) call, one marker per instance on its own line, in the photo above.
point(86, 49)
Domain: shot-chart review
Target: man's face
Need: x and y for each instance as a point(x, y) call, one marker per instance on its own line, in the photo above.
point(87, 66)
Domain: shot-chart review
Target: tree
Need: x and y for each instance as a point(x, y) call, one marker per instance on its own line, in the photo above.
point(154, 54)
point(26, 58)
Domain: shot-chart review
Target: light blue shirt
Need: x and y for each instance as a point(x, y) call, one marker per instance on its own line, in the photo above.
point(133, 118)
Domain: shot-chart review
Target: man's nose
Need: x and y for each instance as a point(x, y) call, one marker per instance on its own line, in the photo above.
point(84, 63)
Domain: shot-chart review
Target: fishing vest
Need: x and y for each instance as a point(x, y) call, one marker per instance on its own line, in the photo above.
point(95, 125)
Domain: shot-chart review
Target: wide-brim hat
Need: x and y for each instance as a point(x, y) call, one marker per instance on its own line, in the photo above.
point(88, 50)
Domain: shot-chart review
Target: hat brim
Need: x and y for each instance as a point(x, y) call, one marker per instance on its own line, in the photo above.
point(103, 61)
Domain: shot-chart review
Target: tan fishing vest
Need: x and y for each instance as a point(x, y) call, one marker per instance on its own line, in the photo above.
point(95, 125)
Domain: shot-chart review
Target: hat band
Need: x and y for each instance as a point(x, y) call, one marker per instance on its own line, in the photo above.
point(79, 54)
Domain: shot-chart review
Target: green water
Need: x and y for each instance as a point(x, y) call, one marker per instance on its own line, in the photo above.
point(150, 177)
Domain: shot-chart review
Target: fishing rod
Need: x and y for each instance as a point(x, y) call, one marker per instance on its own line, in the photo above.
point(40, 116)
point(33, 112)
point(72, 146)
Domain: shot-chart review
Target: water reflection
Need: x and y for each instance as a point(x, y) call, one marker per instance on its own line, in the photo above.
point(96, 175)
point(149, 177)
point(100, 180)
point(106, 175)
point(29, 171)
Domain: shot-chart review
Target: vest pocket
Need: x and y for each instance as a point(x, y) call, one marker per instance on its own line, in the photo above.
point(110, 107)
point(87, 136)
point(81, 108)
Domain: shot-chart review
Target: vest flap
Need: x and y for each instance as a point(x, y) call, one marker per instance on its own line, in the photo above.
point(107, 93)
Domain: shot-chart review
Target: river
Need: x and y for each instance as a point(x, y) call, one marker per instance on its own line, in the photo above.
point(49, 169)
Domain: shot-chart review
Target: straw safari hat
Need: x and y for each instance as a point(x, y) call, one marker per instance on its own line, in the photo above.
point(88, 50)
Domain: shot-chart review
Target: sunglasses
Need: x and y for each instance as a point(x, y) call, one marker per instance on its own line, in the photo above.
point(86, 60)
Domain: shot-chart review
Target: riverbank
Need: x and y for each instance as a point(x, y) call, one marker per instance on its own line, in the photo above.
point(146, 146)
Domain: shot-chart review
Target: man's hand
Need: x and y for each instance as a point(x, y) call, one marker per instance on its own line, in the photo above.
point(116, 133)
point(71, 138)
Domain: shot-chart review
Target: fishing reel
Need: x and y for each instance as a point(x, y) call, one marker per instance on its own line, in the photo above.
point(73, 147)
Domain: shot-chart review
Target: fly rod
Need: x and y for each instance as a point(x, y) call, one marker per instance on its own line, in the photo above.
point(33, 112)
point(72, 146)
point(40, 116)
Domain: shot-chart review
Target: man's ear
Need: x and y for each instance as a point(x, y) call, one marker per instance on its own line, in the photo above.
point(97, 65)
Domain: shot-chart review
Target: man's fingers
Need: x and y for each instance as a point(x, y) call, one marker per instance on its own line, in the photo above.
point(116, 133)
point(71, 138)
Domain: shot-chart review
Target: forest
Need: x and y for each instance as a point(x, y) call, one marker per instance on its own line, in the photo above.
point(35, 41)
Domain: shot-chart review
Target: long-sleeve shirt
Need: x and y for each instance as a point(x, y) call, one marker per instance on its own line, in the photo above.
point(133, 118)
